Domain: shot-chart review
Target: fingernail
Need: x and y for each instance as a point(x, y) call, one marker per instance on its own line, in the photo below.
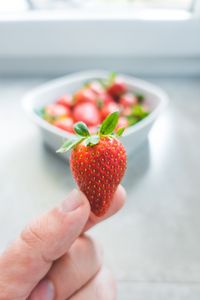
point(44, 290)
point(72, 202)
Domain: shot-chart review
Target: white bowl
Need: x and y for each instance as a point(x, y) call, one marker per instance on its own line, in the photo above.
point(133, 136)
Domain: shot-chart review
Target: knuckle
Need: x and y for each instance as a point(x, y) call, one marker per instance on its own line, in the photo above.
point(31, 234)
point(33, 238)
point(42, 230)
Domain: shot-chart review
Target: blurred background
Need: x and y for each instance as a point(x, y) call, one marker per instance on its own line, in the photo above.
point(153, 244)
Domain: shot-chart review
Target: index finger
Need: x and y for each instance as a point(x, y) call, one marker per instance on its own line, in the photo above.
point(117, 203)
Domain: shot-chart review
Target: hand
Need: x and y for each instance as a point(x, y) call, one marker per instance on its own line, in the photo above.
point(54, 260)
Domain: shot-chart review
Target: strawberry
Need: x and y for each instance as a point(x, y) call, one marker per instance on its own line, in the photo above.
point(96, 87)
point(65, 100)
point(65, 124)
point(128, 100)
point(98, 162)
point(88, 113)
point(103, 99)
point(123, 122)
point(108, 109)
point(127, 111)
point(85, 95)
point(117, 88)
point(54, 112)
point(92, 129)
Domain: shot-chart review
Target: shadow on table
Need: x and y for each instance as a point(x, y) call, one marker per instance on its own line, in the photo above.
point(60, 160)
point(137, 166)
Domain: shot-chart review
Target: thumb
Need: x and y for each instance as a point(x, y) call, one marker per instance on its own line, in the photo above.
point(46, 239)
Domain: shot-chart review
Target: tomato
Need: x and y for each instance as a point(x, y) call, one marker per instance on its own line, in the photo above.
point(85, 95)
point(108, 109)
point(57, 110)
point(65, 124)
point(117, 88)
point(65, 100)
point(87, 113)
point(123, 122)
point(128, 100)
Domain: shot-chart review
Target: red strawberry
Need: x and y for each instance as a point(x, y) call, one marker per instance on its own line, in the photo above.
point(97, 162)
point(65, 124)
point(128, 100)
point(117, 88)
point(108, 109)
point(88, 113)
point(92, 129)
point(123, 122)
point(54, 112)
point(96, 87)
point(85, 95)
point(103, 99)
point(127, 111)
point(65, 100)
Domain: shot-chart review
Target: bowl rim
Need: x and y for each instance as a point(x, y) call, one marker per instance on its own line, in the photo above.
point(28, 99)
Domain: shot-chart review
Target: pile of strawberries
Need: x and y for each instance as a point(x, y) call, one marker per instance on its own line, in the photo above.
point(94, 102)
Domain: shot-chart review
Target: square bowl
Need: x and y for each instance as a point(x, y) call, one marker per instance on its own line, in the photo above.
point(45, 94)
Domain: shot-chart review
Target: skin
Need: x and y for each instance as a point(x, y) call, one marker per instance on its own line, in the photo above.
point(53, 258)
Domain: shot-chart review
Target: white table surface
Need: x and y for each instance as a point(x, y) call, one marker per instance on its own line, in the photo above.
point(153, 244)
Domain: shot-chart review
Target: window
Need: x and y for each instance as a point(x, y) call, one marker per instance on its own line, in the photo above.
point(21, 5)
point(7, 6)
point(129, 35)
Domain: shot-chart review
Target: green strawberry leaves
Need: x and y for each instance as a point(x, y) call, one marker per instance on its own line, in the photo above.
point(83, 135)
point(69, 144)
point(140, 97)
point(138, 113)
point(132, 120)
point(109, 124)
point(105, 83)
point(112, 78)
point(120, 131)
point(81, 129)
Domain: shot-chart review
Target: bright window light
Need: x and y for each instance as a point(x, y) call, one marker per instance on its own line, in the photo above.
point(180, 4)
point(12, 6)
point(21, 5)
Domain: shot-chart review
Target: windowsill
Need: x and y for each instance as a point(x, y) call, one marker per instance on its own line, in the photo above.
point(107, 13)
point(40, 41)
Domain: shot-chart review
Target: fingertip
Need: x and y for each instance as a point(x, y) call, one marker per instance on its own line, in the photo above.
point(120, 196)
point(117, 202)
point(74, 200)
